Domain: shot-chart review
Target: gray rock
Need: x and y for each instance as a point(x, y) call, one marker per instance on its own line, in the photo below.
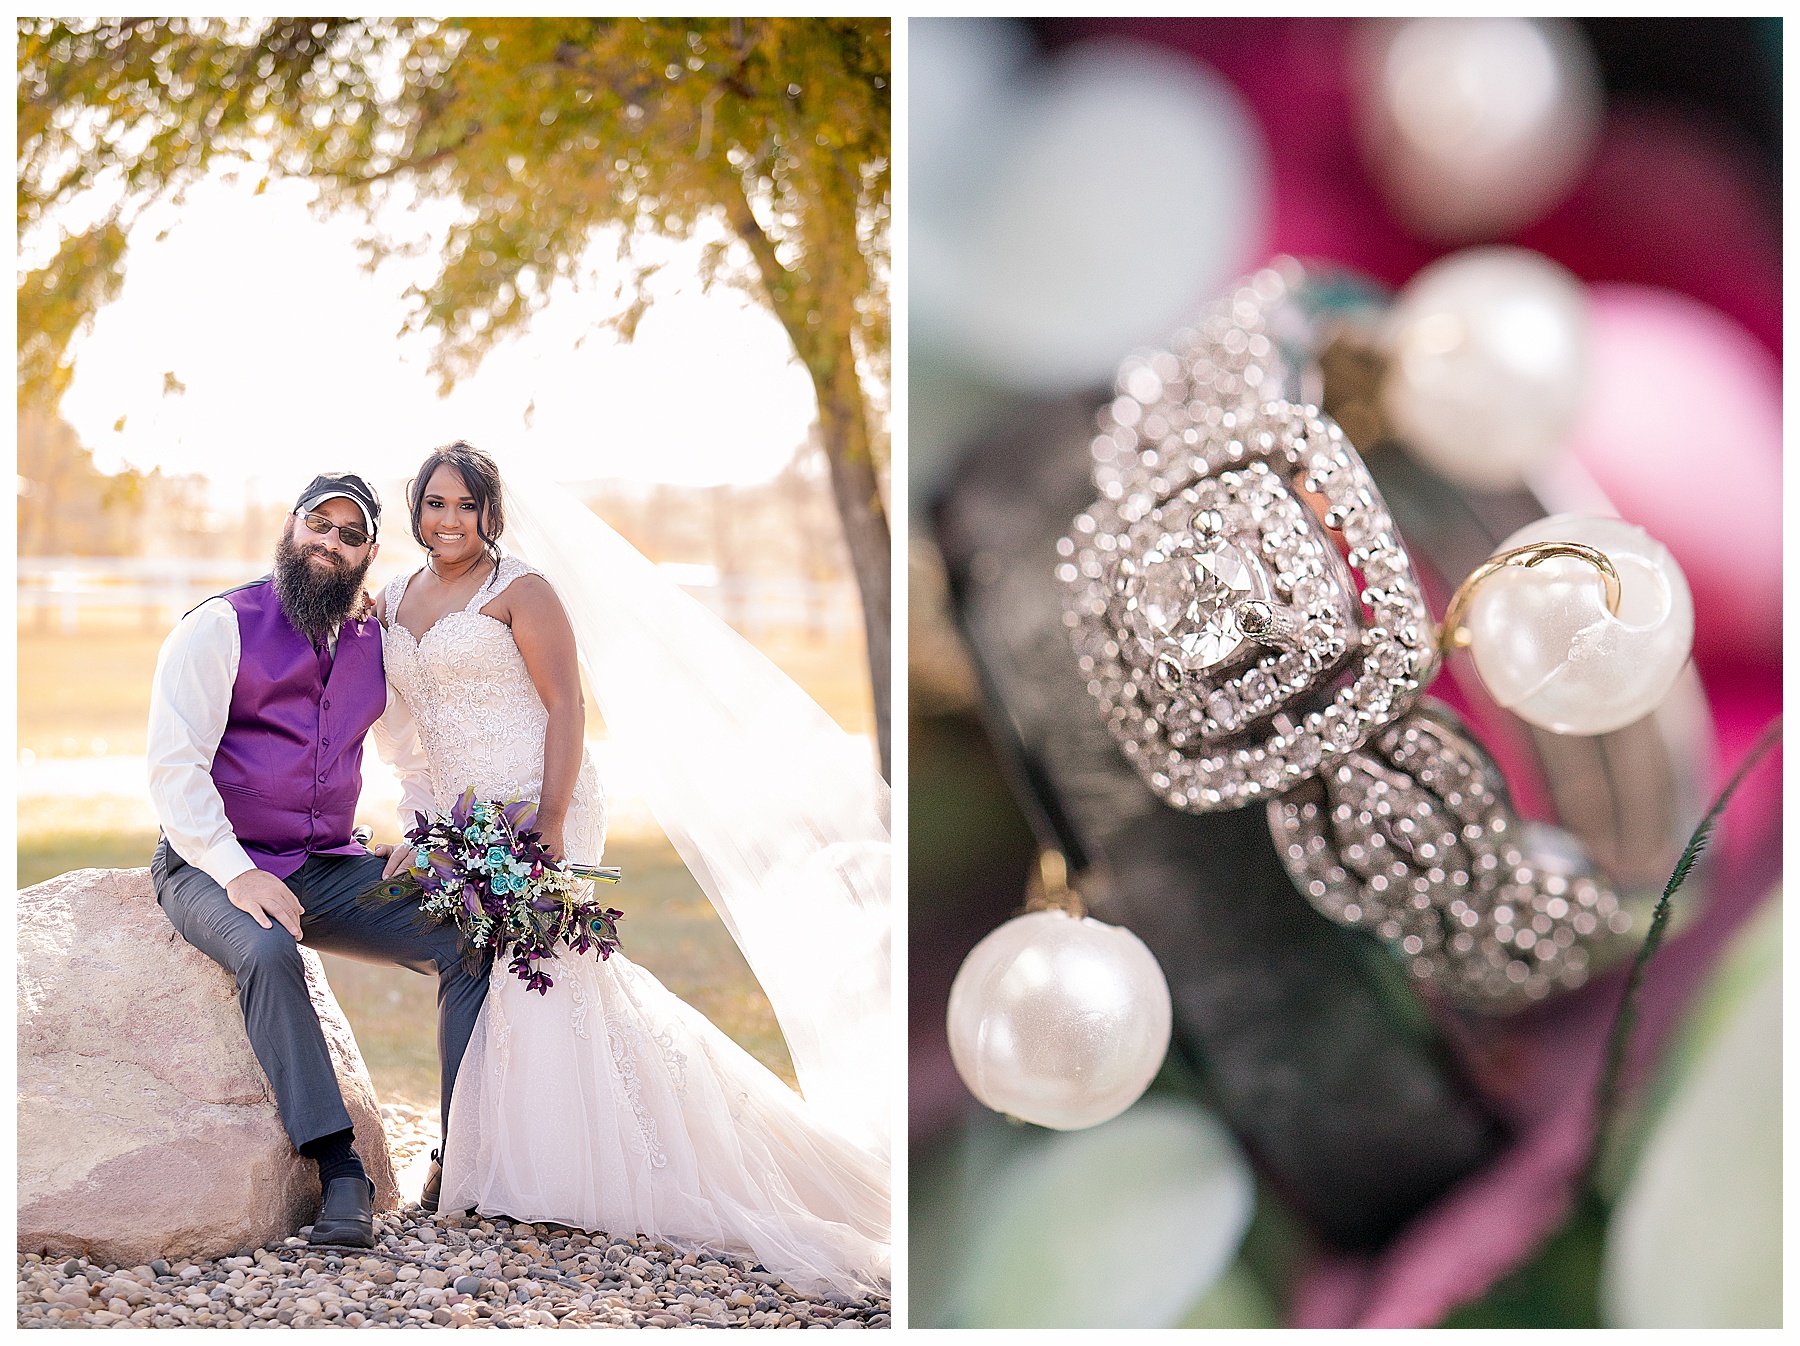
point(135, 1076)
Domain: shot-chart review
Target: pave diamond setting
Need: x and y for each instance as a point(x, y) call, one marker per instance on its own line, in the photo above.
point(1239, 600)
point(1414, 839)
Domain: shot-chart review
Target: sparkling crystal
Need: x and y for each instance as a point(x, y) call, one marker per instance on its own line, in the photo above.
point(1181, 600)
point(1224, 709)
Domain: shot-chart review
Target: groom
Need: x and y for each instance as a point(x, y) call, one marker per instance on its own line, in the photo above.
point(261, 701)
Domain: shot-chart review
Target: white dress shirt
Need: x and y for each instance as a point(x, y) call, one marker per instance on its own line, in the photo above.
point(190, 702)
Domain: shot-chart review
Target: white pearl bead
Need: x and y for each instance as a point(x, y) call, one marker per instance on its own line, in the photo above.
point(1488, 358)
point(1059, 1021)
point(1475, 128)
point(1548, 649)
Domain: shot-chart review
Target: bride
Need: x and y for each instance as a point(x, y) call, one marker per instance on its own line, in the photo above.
point(608, 1103)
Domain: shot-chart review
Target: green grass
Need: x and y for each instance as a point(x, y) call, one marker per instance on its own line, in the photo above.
point(91, 685)
point(45, 855)
point(669, 928)
point(95, 684)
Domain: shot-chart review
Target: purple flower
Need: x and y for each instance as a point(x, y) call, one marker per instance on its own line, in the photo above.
point(464, 809)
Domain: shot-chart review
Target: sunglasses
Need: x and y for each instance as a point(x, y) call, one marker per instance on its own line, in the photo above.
point(349, 536)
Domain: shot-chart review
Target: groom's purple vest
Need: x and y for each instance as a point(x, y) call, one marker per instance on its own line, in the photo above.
point(289, 766)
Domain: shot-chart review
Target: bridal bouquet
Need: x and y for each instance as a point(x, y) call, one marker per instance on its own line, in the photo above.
point(483, 868)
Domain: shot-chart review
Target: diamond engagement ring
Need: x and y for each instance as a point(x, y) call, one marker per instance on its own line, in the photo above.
point(1240, 600)
point(1254, 631)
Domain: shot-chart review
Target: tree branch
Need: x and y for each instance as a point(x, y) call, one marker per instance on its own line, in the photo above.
point(435, 157)
point(791, 312)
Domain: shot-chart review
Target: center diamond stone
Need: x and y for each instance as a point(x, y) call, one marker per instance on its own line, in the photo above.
point(1182, 600)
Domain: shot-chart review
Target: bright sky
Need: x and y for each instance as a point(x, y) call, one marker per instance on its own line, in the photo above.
point(289, 351)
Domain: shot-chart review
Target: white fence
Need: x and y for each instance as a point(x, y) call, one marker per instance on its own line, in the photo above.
point(58, 589)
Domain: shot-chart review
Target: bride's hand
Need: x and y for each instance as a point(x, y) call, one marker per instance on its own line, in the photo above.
point(397, 857)
point(552, 837)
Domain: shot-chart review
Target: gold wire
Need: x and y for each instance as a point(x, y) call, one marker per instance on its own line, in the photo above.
point(1453, 635)
point(1052, 892)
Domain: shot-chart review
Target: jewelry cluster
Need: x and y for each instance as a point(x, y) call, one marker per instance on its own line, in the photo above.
point(1414, 839)
point(1252, 629)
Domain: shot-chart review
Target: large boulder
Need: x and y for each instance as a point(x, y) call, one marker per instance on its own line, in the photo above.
point(146, 1127)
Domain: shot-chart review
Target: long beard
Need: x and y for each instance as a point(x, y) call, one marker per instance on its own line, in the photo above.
point(316, 602)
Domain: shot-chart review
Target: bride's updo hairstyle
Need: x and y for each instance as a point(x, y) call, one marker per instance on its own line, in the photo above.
point(481, 479)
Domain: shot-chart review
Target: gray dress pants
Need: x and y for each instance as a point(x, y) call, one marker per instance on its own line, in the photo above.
point(278, 1014)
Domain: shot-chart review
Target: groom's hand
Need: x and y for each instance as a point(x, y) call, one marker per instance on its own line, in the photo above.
point(262, 895)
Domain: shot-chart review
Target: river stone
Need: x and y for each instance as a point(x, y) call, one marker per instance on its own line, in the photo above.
point(146, 1127)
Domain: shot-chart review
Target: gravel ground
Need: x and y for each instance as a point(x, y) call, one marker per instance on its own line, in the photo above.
point(443, 1270)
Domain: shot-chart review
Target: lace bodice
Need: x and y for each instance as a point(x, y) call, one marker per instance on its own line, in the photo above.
point(480, 720)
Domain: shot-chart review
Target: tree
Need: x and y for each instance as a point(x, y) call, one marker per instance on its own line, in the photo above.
point(67, 506)
point(546, 132)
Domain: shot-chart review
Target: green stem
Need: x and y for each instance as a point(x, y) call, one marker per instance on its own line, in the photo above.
point(601, 873)
point(1625, 1020)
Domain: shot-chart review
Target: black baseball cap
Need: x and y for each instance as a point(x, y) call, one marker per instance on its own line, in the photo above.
point(344, 486)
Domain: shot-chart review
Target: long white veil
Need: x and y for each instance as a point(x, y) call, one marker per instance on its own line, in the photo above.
point(780, 815)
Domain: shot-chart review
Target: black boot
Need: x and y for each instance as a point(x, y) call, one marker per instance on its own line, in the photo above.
point(434, 1184)
point(347, 1214)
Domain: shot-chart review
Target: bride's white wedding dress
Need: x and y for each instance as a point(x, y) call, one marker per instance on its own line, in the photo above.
point(609, 1104)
